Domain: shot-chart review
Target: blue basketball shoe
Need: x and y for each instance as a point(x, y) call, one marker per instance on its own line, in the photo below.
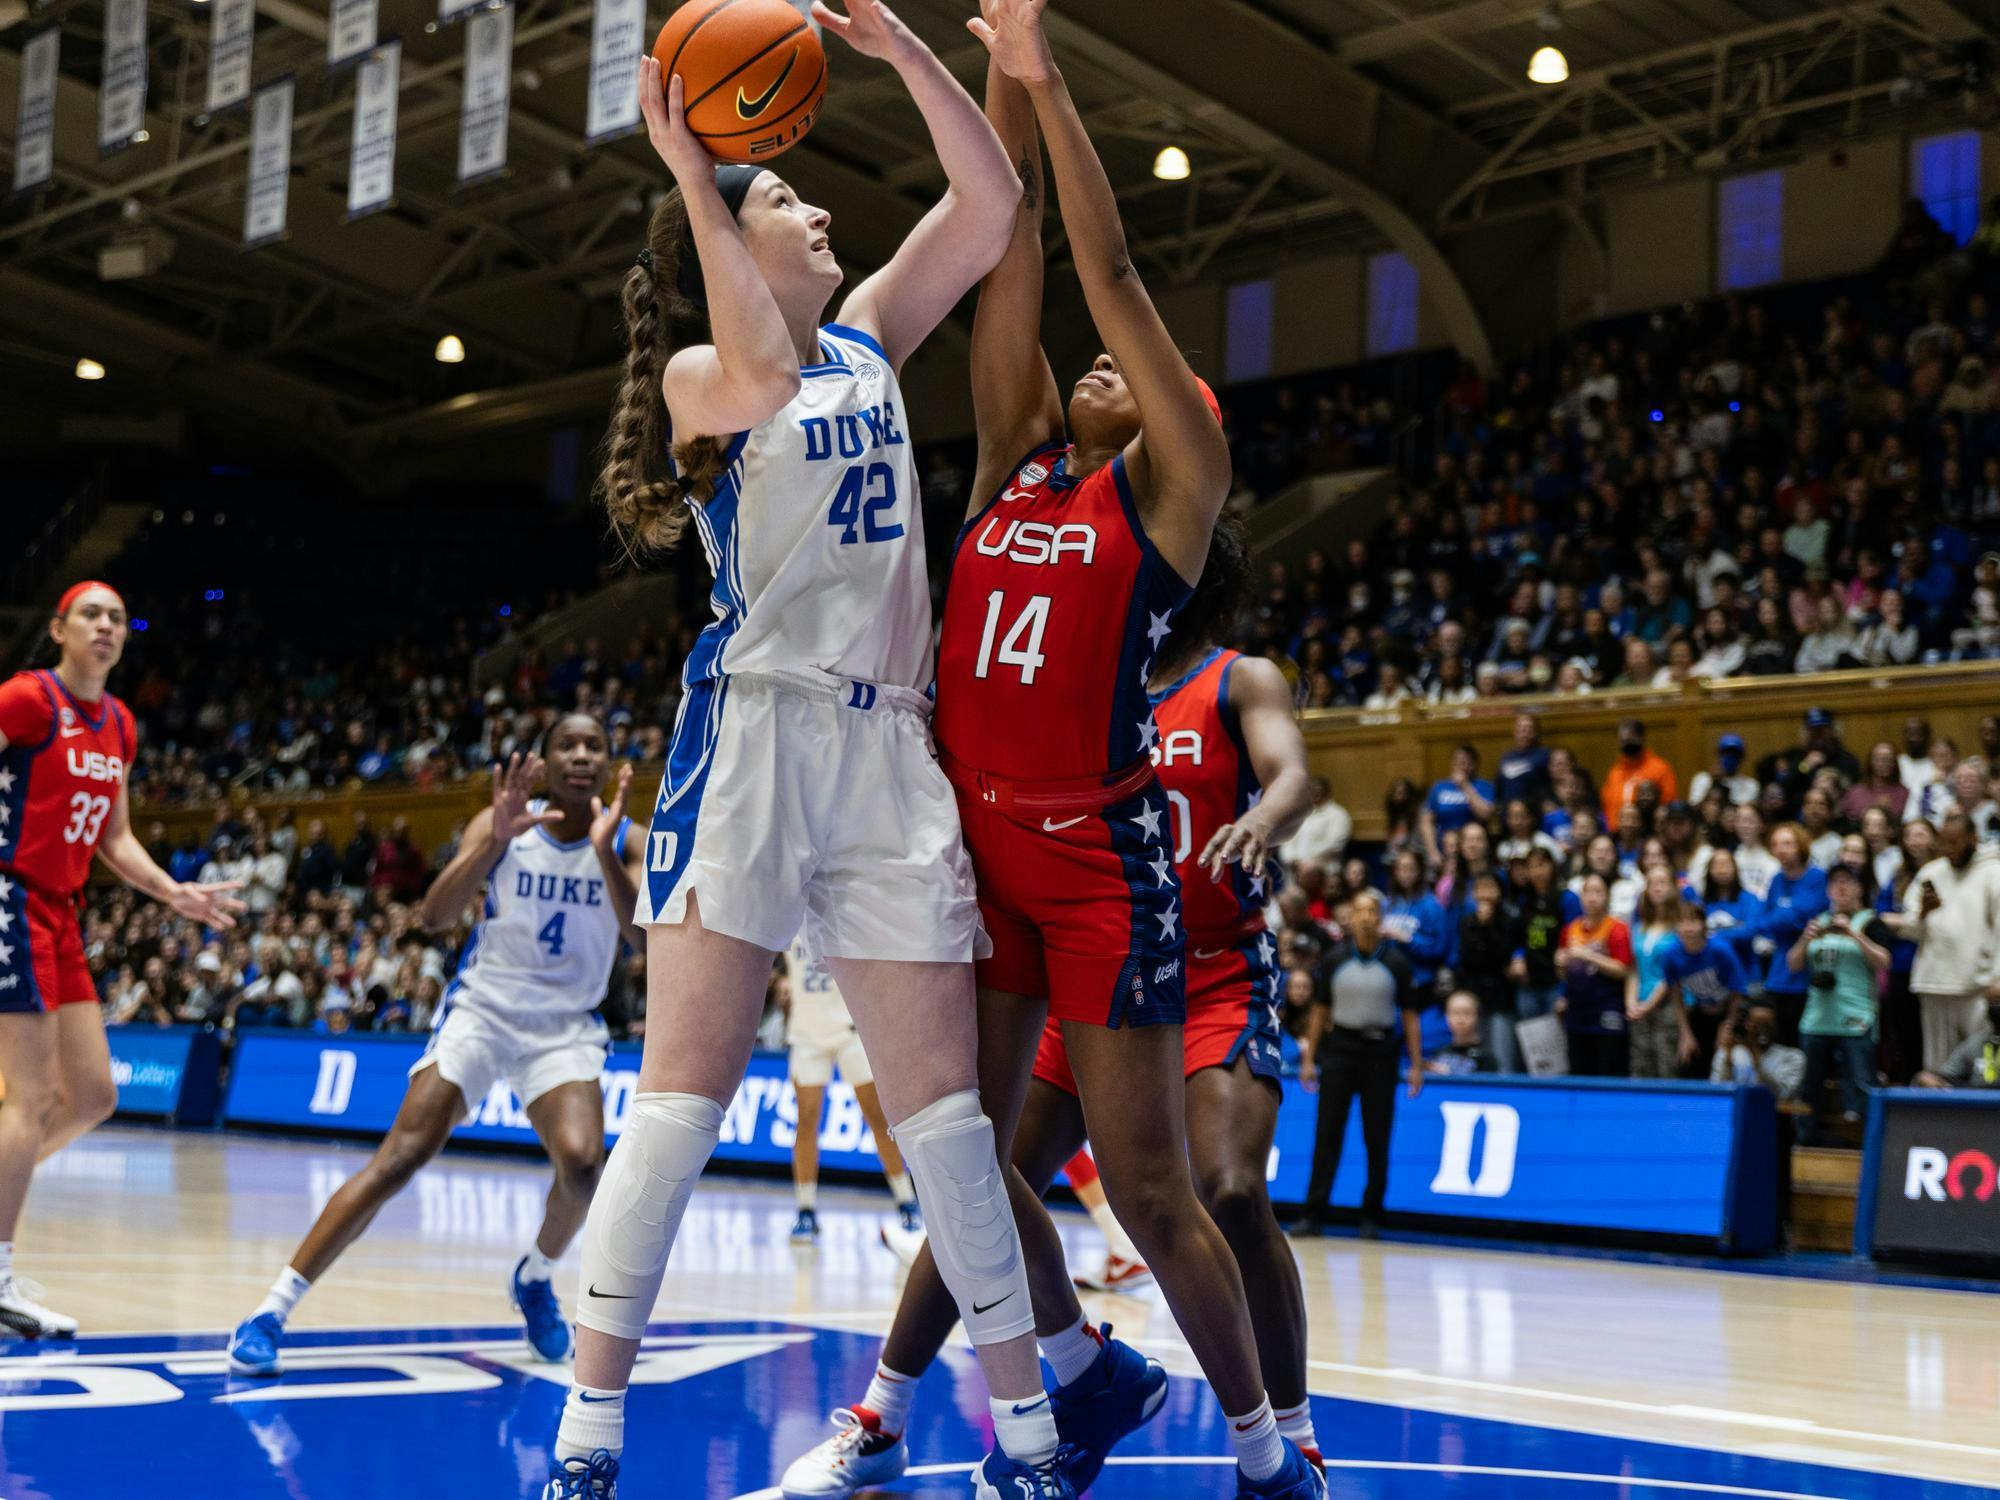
point(548, 1330)
point(1001, 1478)
point(253, 1348)
point(592, 1478)
point(1297, 1480)
point(1104, 1405)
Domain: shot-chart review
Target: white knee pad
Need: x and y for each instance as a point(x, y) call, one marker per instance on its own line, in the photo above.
point(638, 1206)
point(949, 1148)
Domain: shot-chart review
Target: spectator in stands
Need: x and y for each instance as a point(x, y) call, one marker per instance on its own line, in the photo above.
point(399, 867)
point(1914, 762)
point(1595, 958)
point(1487, 940)
point(1656, 1027)
point(1888, 639)
point(1324, 834)
point(1952, 912)
point(1822, 838)
point(1542, 911)
point(1353, 1044)
point(1465, 1053)
point(1636, 763)
point(267, 877)
point(1881, 785)
point(1830, 644)
point(1726, 772)
point(1840, 951)
point(1752, 1053)
point(1704, 985)
point(1796, 894)
point(357, 861)
point(1415, 922)
point(1974, 1063)
point(318, 865)
point(1795, 766)
point(1773, 645)
point(1523, 771)
point(1454, 801)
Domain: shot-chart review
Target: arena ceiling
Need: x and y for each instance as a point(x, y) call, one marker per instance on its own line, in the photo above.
point(1312, 125)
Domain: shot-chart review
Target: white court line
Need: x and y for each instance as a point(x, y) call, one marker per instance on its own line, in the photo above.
point(1801, 1425)
point(42, 1364)
point(1368, 1466)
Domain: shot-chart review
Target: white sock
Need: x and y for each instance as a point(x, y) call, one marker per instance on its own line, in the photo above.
point(889, 1396)
point(1027, 1437)
point(1295, 1423)
point(537, 1267)
point(900, 1189)
point(591, 1419)
point(1259, 1448)
point(807, 1193)
point(1072, 1352)
point(284, 1295)
point(1114, 1232)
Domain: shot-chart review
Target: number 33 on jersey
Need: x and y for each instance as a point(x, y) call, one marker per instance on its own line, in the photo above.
point(1057, 606)
point(62, 769)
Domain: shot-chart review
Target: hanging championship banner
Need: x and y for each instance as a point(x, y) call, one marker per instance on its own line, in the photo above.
point(230, 28)
point(350, 31)
point(121, 99)
point(489, 80)
point(269, 192)
point(371, 163)
point(35, 141)
point(617, 35)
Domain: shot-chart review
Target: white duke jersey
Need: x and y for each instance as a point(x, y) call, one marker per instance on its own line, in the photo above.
point(547, 936)
point(815, 534)
point(819, 1016)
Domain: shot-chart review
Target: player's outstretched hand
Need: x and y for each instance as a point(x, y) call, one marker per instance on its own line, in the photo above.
point(1241, 843)
point(869, 27)
point(660, 101)
point(606, 816)
point(513, 785)
point(211, 905)
point(1012, 32)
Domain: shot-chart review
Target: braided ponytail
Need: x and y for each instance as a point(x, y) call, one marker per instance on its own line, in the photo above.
point(647, 504)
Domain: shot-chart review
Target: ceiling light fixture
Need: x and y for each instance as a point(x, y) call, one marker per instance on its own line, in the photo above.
point(1171, 165)
point(1548, 65)
point(89, 369)
point(450, 350)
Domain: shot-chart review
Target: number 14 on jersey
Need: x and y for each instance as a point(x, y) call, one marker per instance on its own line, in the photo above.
point(1021, 646)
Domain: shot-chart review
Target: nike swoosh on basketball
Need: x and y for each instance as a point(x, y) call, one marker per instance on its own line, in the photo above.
point(621, 1296)
point(976, 1308)
point(749, 109)
point(1049, 825)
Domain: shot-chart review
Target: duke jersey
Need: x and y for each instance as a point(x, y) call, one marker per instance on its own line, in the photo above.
point(1057, 603)
point(815, 533)
point(548, 936)
point(819, 1016)
point(61, 771)
point(1205, 768)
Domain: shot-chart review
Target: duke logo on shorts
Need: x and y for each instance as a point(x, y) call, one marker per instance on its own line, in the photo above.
point(801, 790)
point(523, 1004)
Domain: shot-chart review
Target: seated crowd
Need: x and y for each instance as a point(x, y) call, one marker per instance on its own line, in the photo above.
point(1800, 918)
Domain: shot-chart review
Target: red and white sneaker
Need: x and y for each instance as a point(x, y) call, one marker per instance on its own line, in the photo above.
point(858, 1456)
point(1117, 1275)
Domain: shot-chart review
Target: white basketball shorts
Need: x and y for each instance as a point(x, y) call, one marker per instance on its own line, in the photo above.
point(474, 1051)
point(791, 802)
point(813, 1059)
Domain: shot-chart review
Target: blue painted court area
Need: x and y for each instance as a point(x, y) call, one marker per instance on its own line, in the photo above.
point(717, 1411)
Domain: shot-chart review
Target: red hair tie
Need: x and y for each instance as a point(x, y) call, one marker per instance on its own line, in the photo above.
point(77, 590)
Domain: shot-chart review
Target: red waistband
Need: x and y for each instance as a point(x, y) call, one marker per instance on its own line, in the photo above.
point(1078, 794)
point(1234, 936)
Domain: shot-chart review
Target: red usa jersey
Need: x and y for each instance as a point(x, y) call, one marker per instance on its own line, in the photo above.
point(1209, 781)
point(1056, 605)
point(63, 766)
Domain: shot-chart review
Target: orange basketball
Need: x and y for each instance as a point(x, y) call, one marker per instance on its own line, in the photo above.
point(752, 74)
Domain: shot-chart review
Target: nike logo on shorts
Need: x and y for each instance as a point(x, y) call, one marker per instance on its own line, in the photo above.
point(977, 1309)
point(1210, 952)
point(621, 1296)
point(1049, 825)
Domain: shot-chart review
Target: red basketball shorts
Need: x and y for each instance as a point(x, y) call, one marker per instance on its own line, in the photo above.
point(1232, 1012)
point(41, 950)
point(1083, 907)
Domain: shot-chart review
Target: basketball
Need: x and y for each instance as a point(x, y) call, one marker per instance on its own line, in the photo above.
point(752, 74)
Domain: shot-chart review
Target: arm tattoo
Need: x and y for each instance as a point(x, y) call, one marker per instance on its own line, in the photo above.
point(1030, 182)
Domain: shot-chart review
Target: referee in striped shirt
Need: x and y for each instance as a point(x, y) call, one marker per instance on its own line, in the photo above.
point(1351, 1049)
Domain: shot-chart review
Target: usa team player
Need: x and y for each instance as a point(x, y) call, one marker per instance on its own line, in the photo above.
point(66, 751)
point(1233, 766)
point(1064, 586)
point(556, 880)
point(800, 790)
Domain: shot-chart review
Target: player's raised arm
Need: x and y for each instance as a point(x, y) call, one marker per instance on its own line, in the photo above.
point(211, 905)
point(622, 870)
point(963, 237)
point(486, 838)
point(1015, 402)
point(1179, 466)
point(752, 368)
point(1263, 703)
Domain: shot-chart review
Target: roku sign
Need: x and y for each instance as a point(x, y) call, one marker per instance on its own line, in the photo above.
point(1933, 1175)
